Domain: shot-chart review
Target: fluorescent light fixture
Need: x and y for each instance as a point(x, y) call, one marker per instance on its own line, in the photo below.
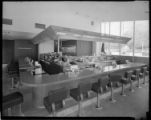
point(61, 33)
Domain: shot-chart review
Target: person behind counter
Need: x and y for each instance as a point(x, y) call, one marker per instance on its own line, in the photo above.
point(64, 62)
point(29, 62)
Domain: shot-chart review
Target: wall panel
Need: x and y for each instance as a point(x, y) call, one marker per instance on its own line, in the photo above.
point(84, 48)
point(24, 48)
point(7, 51)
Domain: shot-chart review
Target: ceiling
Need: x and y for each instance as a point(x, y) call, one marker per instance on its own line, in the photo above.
point(97, 11)
point(112, 11)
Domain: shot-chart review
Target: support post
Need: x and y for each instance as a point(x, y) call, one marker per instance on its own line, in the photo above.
point(58, 44)
point(119, 43)
point(133, 39)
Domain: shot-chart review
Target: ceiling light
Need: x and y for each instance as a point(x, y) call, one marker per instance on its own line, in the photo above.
point(61, 33)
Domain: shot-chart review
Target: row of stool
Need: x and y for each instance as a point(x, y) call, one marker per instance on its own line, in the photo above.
point(57, 97)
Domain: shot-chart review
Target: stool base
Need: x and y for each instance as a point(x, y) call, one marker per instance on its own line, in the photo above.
point(139, 86)
point(112, 100)
point(123, 94)
point(132, 90)
point(99, 107)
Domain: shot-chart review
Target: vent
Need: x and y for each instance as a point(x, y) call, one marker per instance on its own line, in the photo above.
point(92, 23)
point(7, 21)
point(41, 26)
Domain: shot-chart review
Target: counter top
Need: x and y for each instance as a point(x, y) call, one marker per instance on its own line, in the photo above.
point(46, 79)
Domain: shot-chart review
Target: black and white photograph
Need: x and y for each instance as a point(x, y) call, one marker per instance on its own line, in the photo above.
point(75, 59)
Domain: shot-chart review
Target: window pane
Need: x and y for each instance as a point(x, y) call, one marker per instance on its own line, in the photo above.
point(107, 44)
point(127, 31)
point(105, 27)
point(114, 30)
point(105, 30)
point(141, 38)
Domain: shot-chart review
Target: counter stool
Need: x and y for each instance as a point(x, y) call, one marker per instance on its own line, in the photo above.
point(113, 78)
point(97, 87)
point(137, 73)
point(125, 80)
point(147, 72)
point(12, 100)
point(13, 73)
point(79, 92)
point(55, 100)
point(144, 70)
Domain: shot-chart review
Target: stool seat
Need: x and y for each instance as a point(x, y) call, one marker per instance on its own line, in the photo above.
point(12, 100)
point(55, 100)
point(47, 104)
point(147, 72)
point(124, 81)
point(115, 77)
point(79, 92)
point(141, 74)
point(97, 87)
point(83, 88)
point(133, 77)
point(57, 95)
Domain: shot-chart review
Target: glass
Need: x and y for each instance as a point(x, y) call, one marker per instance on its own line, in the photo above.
point(142, 38)
point(115, 30)
point(105, 29)
point(127, 31)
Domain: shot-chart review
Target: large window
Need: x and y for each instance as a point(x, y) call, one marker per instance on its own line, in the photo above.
point(105, 27)
point(141, 38)
point(114, 30)
point(104, 30)
point(127, 31)
point(140, 44)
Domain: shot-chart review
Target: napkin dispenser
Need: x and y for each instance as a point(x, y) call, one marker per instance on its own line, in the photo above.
point(36, 63)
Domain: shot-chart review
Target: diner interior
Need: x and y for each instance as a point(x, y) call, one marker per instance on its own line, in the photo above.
point(75, 59)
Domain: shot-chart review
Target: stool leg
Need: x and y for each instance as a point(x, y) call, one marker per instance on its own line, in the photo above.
point(122, 93)
point(147, 80)
point(79, 105)
point(79, 108)
point(144, 79)
point(13, 112)
point(88, 94)
point(117, 84)
point(98, 106)
point(53, 109)
point(63, 103)
point(131, 85)
point(20, 110)
point(9, 112)
point(112, 98)
point(106, 87)
point(12, 83)
point(139, 83)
